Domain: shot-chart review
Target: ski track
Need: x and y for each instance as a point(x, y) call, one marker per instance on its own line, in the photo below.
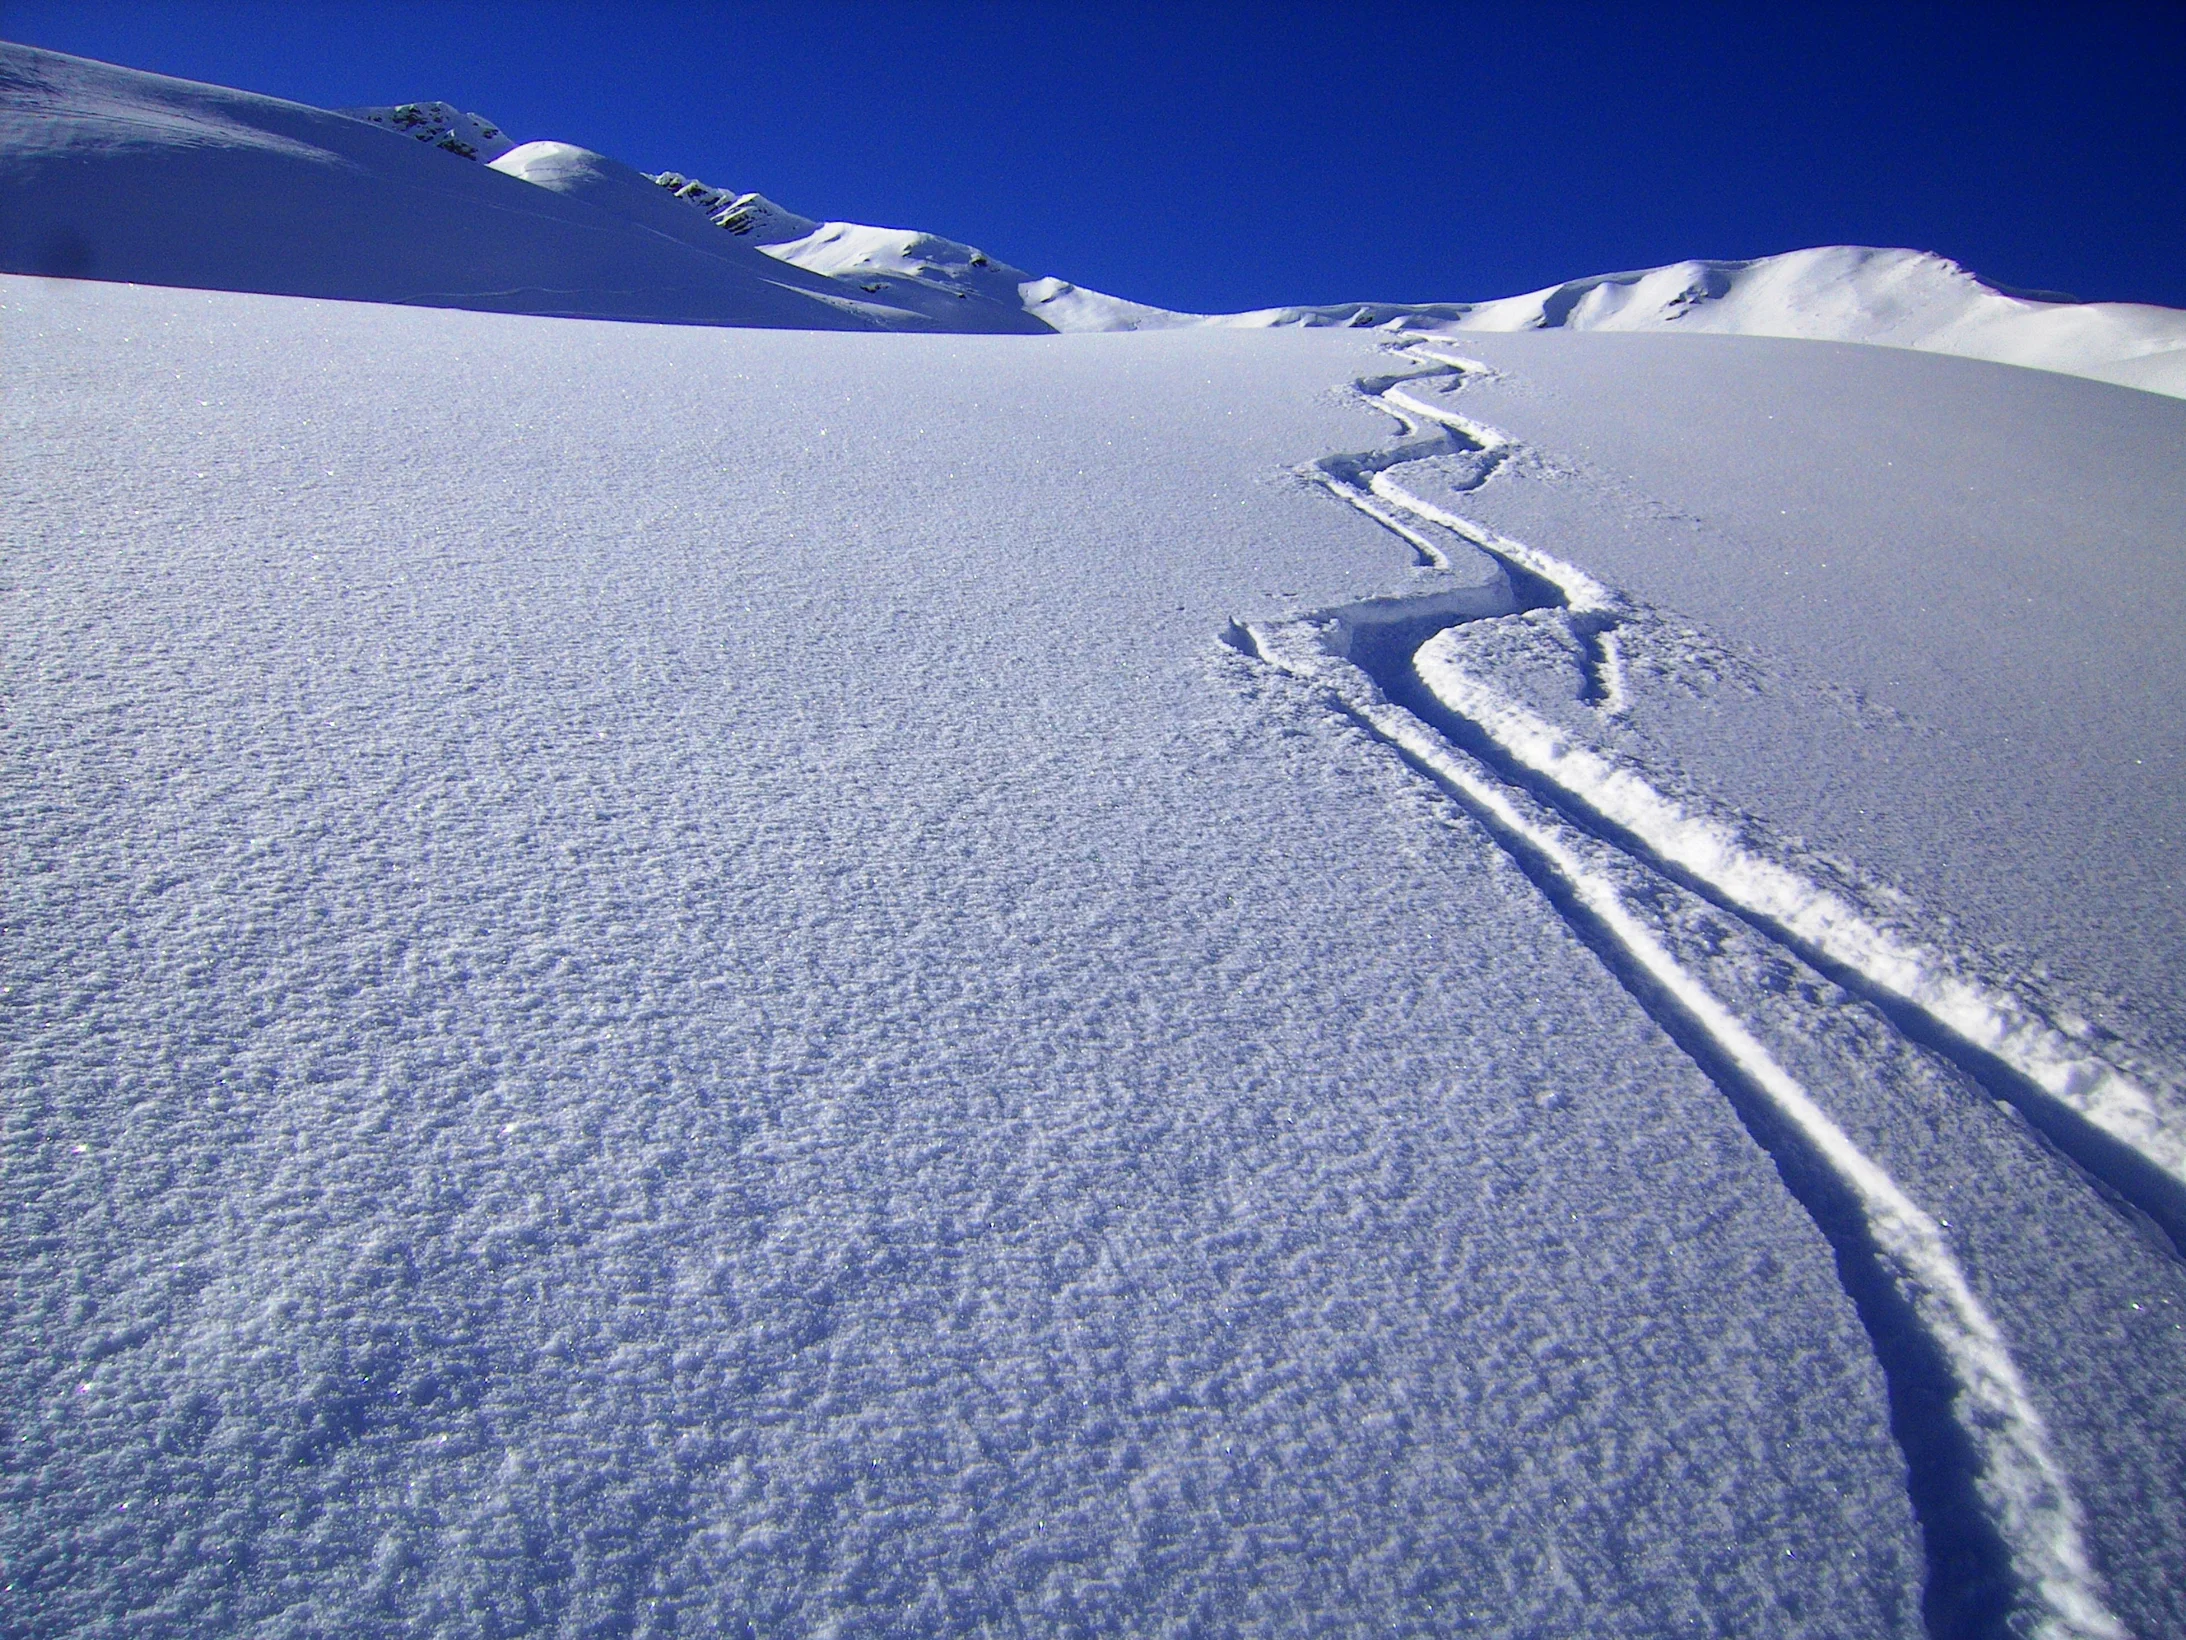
point(2004, 1531)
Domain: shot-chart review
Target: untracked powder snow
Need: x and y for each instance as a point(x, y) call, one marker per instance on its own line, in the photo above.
point(676, 980)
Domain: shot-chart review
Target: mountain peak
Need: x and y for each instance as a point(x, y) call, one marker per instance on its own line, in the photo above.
point(443, 125)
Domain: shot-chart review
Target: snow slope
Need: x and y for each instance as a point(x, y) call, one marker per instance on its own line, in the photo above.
point(1221, 981)
point(112, 174)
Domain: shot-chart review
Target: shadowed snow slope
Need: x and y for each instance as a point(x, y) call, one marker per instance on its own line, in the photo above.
point(111, 174)
point(700, 999)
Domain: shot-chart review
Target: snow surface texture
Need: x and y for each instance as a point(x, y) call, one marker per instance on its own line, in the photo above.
point(2000, 1493)
point(114, 174)
point(702, 1002)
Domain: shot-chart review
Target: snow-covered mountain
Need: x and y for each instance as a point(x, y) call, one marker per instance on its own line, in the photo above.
point(1839, 293)
point(110, 173)
point(951, 286)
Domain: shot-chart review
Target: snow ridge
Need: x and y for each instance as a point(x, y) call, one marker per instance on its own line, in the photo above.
point(1834, 293)
point(1591, 830)
point(958, 286)
point(755, 215)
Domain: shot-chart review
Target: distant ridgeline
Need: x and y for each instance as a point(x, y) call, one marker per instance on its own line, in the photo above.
point(109, 173)
point(473, 136)
point(1897, 298)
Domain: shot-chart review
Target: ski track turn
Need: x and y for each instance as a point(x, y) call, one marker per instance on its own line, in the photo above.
point(2004, 1530)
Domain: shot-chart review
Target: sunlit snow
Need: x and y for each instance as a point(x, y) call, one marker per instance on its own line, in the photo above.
point(1260, 977)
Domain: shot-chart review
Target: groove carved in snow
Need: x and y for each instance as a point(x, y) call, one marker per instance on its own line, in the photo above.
point(1996, 1505)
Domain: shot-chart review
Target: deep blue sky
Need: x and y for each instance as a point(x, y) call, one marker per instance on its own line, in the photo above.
point(1222, 157)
